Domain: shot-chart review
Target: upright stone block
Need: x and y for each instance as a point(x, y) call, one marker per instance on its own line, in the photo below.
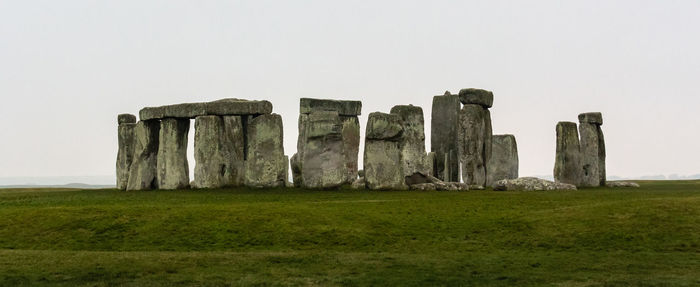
point(142, 173)
point(351, 145)
point(445, 136)
point(414, 158)
point(219, 147)
point(172, 168)
point(567, 165)
point(382, 155)
point(266, 164)
point(125, 139)
point(474, 136)
point(590, 175)
point(324, 162)
point(601, 157)
point(504, 159)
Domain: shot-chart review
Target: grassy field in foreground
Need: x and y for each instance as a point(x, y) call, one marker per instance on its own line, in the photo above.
point(591, 237)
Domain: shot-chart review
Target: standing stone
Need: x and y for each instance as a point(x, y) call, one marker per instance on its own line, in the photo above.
point(382, 155)
point(324, 161)
point(601, 157)
point(125, 139)
point(473, 137)
point(351, 145)
point(412, 143)
point(567, 165)
point(142, 173)
point(266, 164)
point(590, 175)
point(504, 159)
point(172, 168)
point(445, 136)
point(219, 145)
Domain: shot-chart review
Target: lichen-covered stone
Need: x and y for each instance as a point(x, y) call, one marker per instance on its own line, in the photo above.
point(591, 118)
point(423, 187)
point(351, 145)
point(219, 151)
point(358, 183)
point(504, 159)
point(266, 163)
point(344, 108)
point(473, 138)
point(126, 119)
point(414, 159)
point(601, 157)
point(295, 163)
point(172, 168)
point(567, 165)
point(530, 184)
point(381, 126)
point(125, 153)
point(480, 97)
point(142, 173)
point(382, 165)
point(224, 107)
point(590, 175)
point(324, 163)
point(444, 136)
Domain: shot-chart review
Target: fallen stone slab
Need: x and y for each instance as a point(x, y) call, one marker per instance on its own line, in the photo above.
point(423, 187)
point(142, 173)
point(266, 164)
point(480, 97)
point(567, 165)
point(628, 184)
point(344, 108)
point(530, 184)
point(503, 163)
point(172, 168)
point(224, 107)
point(591, 118)
point(125, 140)
point(444, 136)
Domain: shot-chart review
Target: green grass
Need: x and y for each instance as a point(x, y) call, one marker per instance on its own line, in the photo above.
point(592, 237)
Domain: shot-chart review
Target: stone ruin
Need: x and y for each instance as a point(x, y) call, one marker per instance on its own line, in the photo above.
point(580, 161)
point(328, 144)
point(237, 142)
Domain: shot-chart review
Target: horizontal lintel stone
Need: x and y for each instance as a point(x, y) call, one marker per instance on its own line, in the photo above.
point(344, 108)
point(224, 107)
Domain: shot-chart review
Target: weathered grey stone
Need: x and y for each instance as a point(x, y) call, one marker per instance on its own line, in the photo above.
point(414, 159)
point(590, 176)
point(361, 173)
point(423, 187)
point(622, 184)
point(351, 145)
point(531, 184)
point(224, 107)
point(601, 157)
point(125, 153)
point(381, 126)
point(344, 108)
point(504, 159)
point(359, 183)
point(480, 97)
point(444, 136)
point(591, 118)
point(295, 163)
point(473, 138)
point(266, 163)
point(126, 119)
point(324, 163)
point(142, 173)
point(382, 155)
point(219, 151)
point(567, 165)
point(172, 168)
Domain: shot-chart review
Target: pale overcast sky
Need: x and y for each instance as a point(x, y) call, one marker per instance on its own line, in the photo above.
point(67, 68)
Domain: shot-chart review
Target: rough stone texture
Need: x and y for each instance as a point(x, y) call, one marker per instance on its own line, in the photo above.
point(126, 119)
point(601, 157)
point(590, 175)
point(351, 145)
point(359, 183)
point(381, 126)
point(382, 155)
point(125, 153)
point(266, 164)
point(324, 162)
point(295, 163)
point(423, 187)
point(591, 118)
point(480, 97)
point(444, 136)
point(224, 107)
point(219, 145)
point(344, 108)
point(172, 168)
point(142, 173)
point(622, 184)
point(531, 184)
point(504, 159)
point(474, 136)
point(414, 159)
point(567, 165)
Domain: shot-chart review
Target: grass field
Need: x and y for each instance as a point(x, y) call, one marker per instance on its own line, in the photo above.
point(592, 237)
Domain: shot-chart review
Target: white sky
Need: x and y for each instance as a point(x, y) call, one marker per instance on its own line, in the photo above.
point(67, 68)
